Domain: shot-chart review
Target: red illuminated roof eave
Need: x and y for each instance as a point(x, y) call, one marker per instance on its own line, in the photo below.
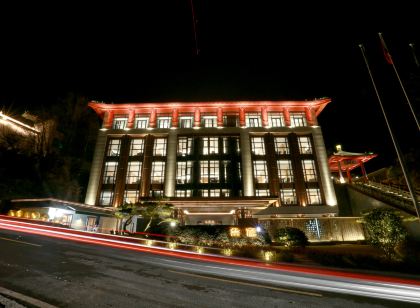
point(317, 105)
point(332, 161)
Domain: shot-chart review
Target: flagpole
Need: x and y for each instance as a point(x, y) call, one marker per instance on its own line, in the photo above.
point(389, 59)
point(394, 141)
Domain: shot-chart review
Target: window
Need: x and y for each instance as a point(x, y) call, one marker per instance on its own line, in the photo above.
point(281, 145)
point(253, 120)
point(164, 122)
point(185, 122)
point(309, 171)
point(120, 122)
point(257, 145)
point(210, 145)
point(288, 196)
point(231, 120)
point(260, 171)
point(156, 193)
point(110, 172)
point(183, 172)
point(159, 147)
point(213, 193)
point(184, 146)
point(209, 121)
point(142, 122)
point(297, 119)
point(114, 146)
point(305, 146)
point(133, 172)
point(106, 198)
point(262, 193)
point(158, 172)
point(136, 147)
point(225, 193)
point(233, 141)
point(183, 193)
point(131, 196)
point(285, 171)
point(276, 119)
point(225, 164)
point(209, 171)
point(314, 196)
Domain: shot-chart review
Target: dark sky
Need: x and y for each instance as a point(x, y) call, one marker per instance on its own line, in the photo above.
point(249, 50)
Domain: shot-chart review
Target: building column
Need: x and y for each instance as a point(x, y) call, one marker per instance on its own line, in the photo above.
point(340, 173)
point(108, 119)
point(131, 116)
point(220, 117)
point(197, 118)
point(324, 169)
point(349, 176)
point(146, 166)
point(152, 122)
point(264, 116)
point(286, 116)
point(174, 118)
point(170, 168)
point(362, 166)
point(96, 169)
point(242, 122)
point(247, 178)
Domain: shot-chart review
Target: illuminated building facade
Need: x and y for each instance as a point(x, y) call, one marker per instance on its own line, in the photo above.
point(217, 162)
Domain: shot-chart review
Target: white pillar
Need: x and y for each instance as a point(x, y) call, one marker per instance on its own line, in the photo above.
point(247, 178)
point(170, 169)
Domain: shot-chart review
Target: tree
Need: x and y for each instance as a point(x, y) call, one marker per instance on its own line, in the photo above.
point(149, 209)
point(291, 237)
point(385, 230)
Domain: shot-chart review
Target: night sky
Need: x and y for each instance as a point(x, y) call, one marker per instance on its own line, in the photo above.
point(256, 50)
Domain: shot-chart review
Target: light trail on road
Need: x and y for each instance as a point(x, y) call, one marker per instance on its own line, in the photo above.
point(272, 274)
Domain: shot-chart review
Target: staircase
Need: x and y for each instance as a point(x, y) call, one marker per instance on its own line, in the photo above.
point(393, 196)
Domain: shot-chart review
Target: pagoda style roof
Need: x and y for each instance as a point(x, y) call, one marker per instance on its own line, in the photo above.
point(348, 160)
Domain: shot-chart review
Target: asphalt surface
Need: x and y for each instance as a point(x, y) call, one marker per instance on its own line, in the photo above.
point(69, 274)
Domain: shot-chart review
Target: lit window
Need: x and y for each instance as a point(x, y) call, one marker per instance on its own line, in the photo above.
point(106, 198)
point(158, 172)
point(209, 171)
point(314, 196)
point(133, 172)
point(260, 171)
point(297, 119)
point(305, 146)
point(131, 196)
point(159, 147)
point(262, 193)
point(183, 193)
point(309, 170)
point(156, 193)
point(288, 196)
point(214, 193)
point(114, 146)
point(136, 147)
point(209, 121)
point(120, 122)
point(257, 145)
point(184, 146)
point(225, 193)
point(110, 172)
point(210, 145)
point(142, 122)
point(253, 120)
point(183, 172)
point(164, 122)
point(285, 171)
point(185, 122)
point(281, 145)
point(276, 119)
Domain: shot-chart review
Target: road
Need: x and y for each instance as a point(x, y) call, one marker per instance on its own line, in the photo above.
point(71, 274)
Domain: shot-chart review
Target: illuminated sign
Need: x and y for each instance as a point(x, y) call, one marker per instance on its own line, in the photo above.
point(251, 232)
point(235, 232)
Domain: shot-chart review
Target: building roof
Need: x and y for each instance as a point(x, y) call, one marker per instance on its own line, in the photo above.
point(348, 160)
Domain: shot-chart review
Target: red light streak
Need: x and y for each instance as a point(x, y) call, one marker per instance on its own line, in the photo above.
point(123, 243)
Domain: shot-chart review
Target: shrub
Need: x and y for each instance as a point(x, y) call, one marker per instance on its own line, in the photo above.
point(385, 230)
point(291, 237)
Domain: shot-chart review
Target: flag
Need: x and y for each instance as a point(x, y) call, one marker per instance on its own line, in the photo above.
point(387, 55)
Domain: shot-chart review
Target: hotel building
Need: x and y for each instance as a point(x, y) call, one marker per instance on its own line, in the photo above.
point(217, 162)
